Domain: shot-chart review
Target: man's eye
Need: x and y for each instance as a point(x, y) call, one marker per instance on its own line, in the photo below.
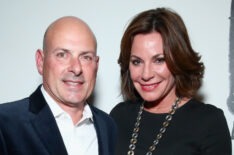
point(86, 57)
point(61, 55)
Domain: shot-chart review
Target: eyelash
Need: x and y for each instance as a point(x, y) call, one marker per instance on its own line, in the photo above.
point(61, 54)
point(159, 60)
point(135, 62)
point(87, 57)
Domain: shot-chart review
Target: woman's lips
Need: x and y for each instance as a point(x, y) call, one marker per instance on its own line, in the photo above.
point(149, 87)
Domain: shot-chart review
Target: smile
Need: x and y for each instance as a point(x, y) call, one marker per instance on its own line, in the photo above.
point(73, 83)
point(149, 87)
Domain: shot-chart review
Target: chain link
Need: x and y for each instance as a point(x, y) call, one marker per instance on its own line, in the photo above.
point(162, 130)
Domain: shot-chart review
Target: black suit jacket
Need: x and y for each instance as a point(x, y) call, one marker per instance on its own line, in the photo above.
point(28, 127)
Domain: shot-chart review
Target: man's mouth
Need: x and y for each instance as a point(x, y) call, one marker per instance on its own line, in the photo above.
point(73, 83)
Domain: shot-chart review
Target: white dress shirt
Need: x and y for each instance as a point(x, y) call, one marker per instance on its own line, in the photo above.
point(79, 139)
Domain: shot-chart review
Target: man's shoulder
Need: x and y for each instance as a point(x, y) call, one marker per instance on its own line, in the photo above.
point(12, 108)
point(101, 116)
point(99, 112)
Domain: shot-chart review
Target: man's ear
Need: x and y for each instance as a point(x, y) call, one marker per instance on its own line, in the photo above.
point(39, 60)
point(97, 61)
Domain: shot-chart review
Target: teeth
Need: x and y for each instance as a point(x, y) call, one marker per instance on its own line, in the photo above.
point(72, 83)
point(151, 86)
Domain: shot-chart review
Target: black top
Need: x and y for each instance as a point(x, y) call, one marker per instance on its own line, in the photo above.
point(195, 129)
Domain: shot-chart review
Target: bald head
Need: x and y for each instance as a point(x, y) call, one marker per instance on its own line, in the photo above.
point(66, 26)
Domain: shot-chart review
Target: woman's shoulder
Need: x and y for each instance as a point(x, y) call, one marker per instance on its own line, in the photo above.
point(203, 111)
point(203, 107)
point(126, 104)
point(212, 123)
point(125, 107)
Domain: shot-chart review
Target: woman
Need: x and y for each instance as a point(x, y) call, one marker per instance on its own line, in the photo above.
point(160, 75)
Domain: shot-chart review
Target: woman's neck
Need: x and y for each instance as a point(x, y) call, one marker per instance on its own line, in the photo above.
point(163, 105)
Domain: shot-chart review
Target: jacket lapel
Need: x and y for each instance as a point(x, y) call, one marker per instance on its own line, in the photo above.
point(102, 132)
point(45, 124)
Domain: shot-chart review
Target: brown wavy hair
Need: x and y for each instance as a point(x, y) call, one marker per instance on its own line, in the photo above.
point(182, 61)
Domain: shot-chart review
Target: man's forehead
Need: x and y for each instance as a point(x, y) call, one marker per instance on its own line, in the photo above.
point(69, 27)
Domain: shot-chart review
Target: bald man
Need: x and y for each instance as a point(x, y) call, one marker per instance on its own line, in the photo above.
point(56, 119)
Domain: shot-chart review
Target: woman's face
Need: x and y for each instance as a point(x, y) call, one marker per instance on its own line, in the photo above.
point(148, 69)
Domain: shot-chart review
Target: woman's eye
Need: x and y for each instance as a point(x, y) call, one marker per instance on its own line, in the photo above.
point(159, 60)
point(135, 62)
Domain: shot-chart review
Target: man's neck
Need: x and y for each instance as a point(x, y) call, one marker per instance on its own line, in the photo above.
point(75, 112)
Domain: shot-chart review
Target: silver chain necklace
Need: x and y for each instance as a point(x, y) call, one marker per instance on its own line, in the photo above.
point(162, 130)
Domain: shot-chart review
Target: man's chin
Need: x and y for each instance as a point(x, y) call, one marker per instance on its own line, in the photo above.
point(75, 103)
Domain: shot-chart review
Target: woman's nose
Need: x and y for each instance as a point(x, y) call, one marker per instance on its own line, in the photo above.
point(147, 73)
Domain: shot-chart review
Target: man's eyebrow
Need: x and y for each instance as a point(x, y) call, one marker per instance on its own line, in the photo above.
point(61, 49)
point(87, 52)
point(70, 51)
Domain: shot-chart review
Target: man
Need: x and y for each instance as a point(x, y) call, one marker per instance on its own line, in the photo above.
point(56, 119)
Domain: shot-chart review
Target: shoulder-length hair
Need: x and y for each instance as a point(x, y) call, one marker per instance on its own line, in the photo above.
point(182, 61)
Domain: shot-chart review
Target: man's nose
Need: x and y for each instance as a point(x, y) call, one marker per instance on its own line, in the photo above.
point(75, 66)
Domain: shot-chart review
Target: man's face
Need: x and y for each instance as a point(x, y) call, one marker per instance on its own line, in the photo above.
point(69, 65)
